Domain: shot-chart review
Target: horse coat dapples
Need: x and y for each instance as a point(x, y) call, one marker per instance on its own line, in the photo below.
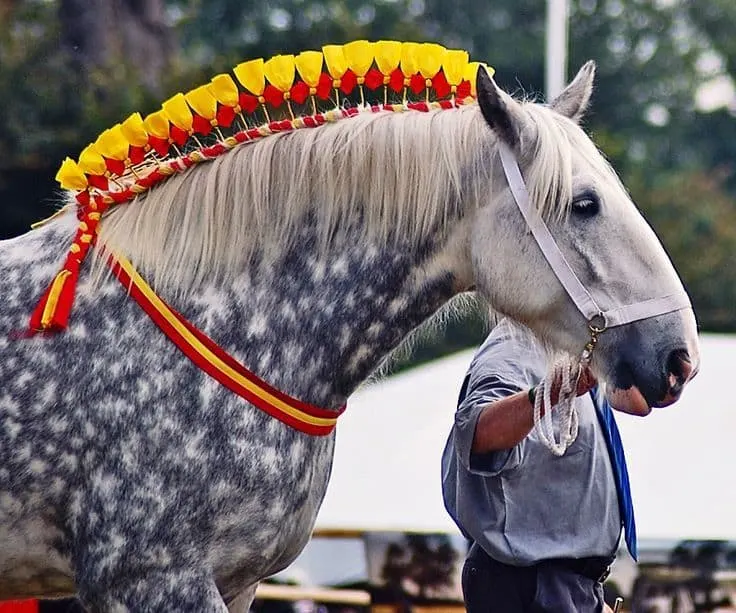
point(307, 245)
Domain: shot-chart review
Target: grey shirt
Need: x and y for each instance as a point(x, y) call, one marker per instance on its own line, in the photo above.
point(524, 504)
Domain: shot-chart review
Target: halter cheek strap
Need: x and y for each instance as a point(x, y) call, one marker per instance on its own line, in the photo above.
point(573, 286)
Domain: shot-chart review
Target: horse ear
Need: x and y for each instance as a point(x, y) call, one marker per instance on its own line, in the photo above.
point(574, 99)
point(495, 109)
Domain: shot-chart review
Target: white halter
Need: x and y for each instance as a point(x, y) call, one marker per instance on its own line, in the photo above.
point(599, 319)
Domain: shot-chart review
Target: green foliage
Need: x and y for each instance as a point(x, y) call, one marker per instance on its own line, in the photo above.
point(696, 221)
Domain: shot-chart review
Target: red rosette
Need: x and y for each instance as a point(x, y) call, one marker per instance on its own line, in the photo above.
point(440, 85)
point(348, 82)
point(178, 135)
point(324, 87)
point(417, 84)
point(396, 81)
point(248, 102)
point(116, 167)
point(98, 181)
point(201, 125)
point(225, 115)
point(136, 154)
point(159, 145)
point(299, 92)
point(373, 79)
point(273, 95)
point(463, 90)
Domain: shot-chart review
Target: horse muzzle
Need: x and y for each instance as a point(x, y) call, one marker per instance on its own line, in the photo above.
point(637, 391)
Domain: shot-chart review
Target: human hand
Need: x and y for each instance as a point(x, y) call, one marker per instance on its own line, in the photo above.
point(586, 382)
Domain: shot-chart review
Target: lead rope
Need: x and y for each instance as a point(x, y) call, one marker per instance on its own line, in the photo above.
point(567, 372)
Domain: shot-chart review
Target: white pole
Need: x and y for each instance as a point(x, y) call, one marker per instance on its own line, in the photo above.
point(556, 56)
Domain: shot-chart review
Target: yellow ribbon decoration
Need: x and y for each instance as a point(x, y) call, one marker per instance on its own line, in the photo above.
point(134, 131)
point(70, 176)
point(157, 124)
point(113, 144)
point(309, 65)
point(280, 72)
point(177, 111)
point(202, 101)
point(337, 65)
point(359, 56)
point(251, 76)
point(91, 162)
point(388, 55)
point(409, 62)
point(430, 57)
point(224, 90)
point(454, 64)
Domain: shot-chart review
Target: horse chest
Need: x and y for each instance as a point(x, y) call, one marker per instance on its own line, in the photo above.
point(266, 524)
point(30, 563)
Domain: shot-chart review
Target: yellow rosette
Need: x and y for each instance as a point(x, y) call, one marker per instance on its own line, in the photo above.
point(454, 64)
point(157, 124)
point(70, 176)
point(177, 111)
point(113, 144)
point(224, 90)
point(91, 161)
point(388, 56)
point(309, 65)
point(202, 102)
point(134, 131)
point(280, 72)
point(251, 76)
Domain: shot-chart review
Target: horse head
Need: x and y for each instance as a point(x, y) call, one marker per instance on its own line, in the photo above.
point(600, 233)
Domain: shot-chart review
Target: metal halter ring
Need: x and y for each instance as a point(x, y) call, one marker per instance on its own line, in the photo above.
point(597, 325)
point(596, 329)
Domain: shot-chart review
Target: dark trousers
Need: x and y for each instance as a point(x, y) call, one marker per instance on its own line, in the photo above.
point(549, 587)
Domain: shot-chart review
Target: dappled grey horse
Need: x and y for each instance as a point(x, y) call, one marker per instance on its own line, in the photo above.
point(130, 476)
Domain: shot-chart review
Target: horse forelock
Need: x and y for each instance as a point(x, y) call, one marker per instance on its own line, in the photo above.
point(549, 173)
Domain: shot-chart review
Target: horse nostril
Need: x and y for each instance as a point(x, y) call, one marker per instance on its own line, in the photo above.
point(679, 368)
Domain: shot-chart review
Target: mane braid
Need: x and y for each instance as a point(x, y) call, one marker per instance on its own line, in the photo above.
point(359, 175)
point(130, 158)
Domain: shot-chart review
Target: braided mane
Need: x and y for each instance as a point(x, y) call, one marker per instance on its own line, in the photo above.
point(281, 95)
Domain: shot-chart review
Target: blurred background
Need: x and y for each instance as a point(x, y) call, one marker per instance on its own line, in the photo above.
point(663, 112)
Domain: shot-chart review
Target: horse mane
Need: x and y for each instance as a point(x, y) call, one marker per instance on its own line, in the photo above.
point(389, 175)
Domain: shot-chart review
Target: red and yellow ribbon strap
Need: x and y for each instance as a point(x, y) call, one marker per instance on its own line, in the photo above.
point(221, 366)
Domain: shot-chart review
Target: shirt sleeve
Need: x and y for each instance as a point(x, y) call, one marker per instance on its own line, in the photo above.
point(503, 366)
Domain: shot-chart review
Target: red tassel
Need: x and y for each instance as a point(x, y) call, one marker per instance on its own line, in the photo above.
point(52, 312)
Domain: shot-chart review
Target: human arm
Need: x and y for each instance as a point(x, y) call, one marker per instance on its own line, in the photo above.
point(505, 422)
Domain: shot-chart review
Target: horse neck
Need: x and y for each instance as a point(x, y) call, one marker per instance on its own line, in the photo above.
point(315, 323)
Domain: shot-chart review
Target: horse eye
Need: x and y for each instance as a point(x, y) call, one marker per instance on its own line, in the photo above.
point(586, 205)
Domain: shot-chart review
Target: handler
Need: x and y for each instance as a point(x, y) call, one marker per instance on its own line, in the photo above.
point(544, 529)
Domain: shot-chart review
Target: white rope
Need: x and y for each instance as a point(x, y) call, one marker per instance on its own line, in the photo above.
point(566, 373)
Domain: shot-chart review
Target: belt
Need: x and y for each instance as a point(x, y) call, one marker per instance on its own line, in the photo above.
point(596, 569)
